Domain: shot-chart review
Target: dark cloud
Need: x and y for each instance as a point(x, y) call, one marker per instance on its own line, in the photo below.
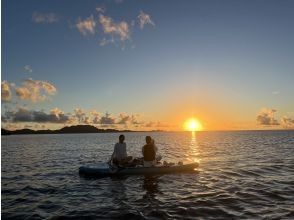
point(157, 124)
point(107, 120)
point(266, 117)
point(25, 115)
point(124, 119)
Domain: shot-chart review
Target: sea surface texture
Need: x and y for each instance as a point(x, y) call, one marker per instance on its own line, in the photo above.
point(242, 175)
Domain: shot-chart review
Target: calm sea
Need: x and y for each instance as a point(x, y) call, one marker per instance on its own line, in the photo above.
point(242, 175)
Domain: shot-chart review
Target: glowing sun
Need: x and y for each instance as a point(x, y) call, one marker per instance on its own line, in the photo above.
point(193, 124)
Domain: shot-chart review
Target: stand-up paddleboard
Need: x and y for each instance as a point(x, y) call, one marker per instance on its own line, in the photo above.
point(103, 169)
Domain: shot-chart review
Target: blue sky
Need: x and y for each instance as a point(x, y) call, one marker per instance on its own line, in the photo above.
point(225, 62)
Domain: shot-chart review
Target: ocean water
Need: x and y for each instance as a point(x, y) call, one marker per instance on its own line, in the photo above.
point(241, 175)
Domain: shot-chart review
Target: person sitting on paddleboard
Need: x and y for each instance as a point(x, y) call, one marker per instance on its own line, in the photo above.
point(158, 157)
point(149, 153)
point(119, 155)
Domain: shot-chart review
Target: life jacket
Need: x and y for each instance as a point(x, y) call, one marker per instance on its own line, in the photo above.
point(149, 152)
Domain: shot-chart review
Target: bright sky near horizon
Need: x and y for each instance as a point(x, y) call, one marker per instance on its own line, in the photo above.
point(148, 64)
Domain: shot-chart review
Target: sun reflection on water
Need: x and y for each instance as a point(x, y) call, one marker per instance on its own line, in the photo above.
point(194, 148)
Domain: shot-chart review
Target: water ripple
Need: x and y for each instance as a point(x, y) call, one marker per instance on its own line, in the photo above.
point(242, 175)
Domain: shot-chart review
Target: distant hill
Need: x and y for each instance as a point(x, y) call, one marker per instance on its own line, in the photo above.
point(78, 129)
point(65, 130)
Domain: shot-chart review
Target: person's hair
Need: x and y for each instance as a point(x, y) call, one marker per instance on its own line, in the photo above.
point(148, 139)
point(121, 138)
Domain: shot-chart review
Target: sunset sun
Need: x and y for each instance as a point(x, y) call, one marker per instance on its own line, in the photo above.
point(193, 124)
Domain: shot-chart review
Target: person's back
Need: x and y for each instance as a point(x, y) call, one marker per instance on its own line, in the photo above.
point(149, 153)
point(119, 156)
point(120, 151)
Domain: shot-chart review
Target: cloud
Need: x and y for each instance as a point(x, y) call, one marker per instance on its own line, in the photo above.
point(100, 9)
point(35, 90)
point(95, 117)
point(287, 122)
point(80, 115)
point(28, 68)
point(276, 92)
point(120, 29)
point(22, 117)
point(157, 124)
point(150, 124)
point(110, 31)
point(44, 18)
point(60, 116)
point(4, 119)
point(86, 26)
point(144, 19)
point(107, 120)
point(25, 115)
point(35, 126)
point(12, 126)
point(266, 117)
point(5, 91)
point(125, 119)
point(105, 41)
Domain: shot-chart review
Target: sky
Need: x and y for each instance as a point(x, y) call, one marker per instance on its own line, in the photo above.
point(147, 65)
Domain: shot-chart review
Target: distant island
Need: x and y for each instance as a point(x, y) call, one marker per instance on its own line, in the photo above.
point(66, 130)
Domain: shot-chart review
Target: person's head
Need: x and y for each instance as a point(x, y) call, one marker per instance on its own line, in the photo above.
point(148, 139)
point(121, 138)
point(152, 141)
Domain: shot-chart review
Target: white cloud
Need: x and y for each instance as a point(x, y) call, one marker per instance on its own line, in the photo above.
point(105, 41)
point(120, 29)
point(5, 91)
point(266, 117)
point(144, 19)
point(86, 26)
point(276, 92)
point(28, 68)
point(100, 9)
point(44, 18)
point(35, 90)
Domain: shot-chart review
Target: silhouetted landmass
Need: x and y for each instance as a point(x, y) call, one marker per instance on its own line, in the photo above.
point(78, 129)
point(5, 132)
point(65, 130)
point(26, 131)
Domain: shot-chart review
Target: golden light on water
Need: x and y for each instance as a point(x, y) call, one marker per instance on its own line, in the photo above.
point(193, 124)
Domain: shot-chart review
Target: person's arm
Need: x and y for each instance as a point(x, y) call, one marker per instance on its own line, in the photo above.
point(125, 151)
point(112, 156)
point(114, 152)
